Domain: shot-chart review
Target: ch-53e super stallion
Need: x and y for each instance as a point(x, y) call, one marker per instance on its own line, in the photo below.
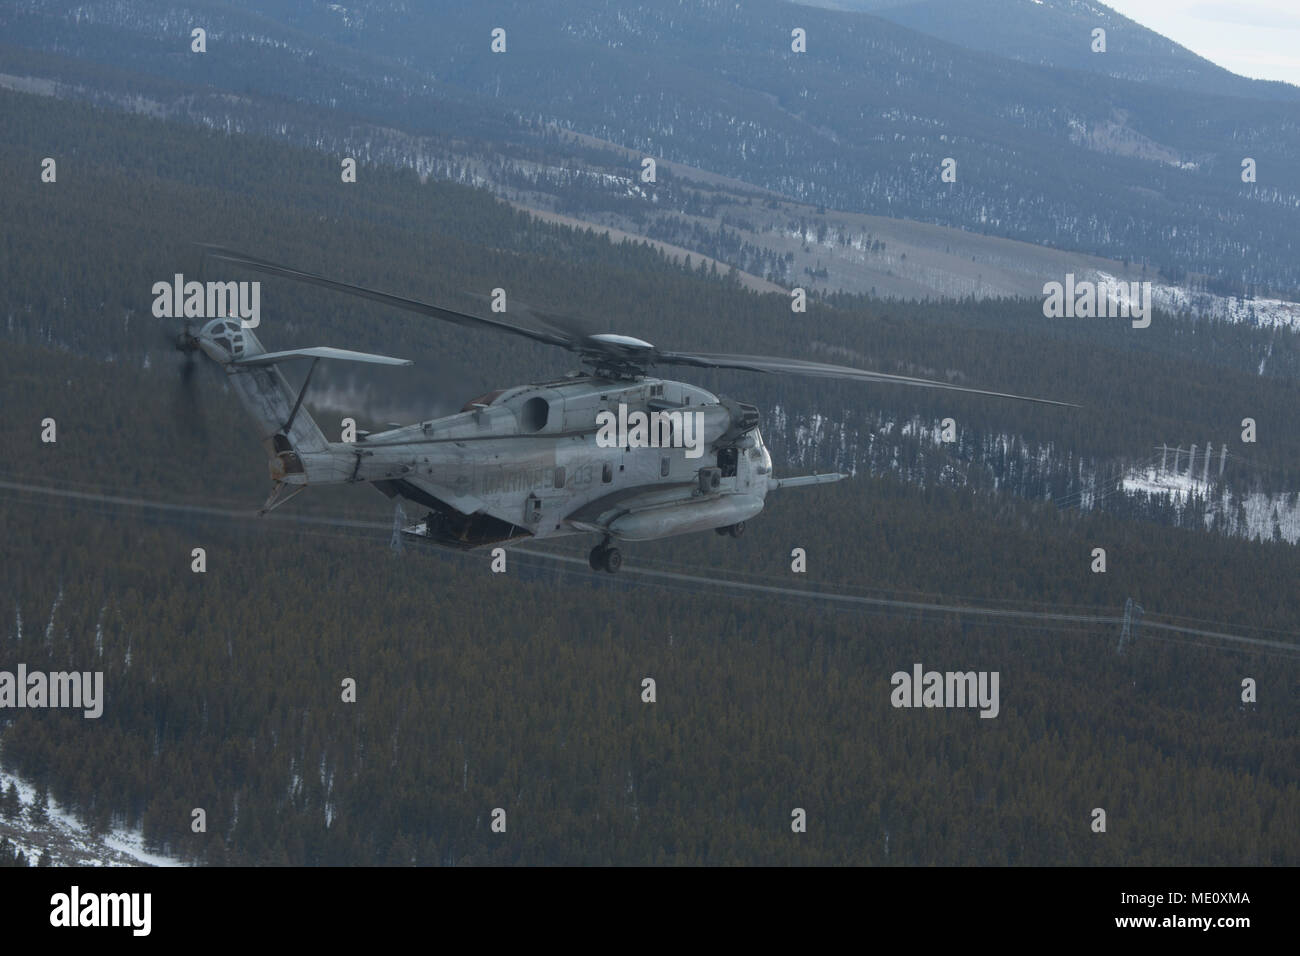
point(612, 451)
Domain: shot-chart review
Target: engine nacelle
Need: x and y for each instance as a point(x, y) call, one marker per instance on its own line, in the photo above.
point(724, 423)
point(742, 418)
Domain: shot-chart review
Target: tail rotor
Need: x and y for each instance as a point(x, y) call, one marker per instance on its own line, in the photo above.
point(185, 404)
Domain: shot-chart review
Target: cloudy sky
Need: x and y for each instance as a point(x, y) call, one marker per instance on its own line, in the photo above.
point(1256, 38)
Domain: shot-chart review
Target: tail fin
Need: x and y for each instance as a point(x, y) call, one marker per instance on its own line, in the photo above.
point(286, 428)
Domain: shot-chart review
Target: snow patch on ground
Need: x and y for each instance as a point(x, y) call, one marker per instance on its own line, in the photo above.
point(1257, 515)
point(803, 441)
point(1154, 481)
point(68, 839)
point(1264, 313)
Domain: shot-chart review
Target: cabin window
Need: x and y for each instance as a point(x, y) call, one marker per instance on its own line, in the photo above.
point(607, 473)
point(559, 477)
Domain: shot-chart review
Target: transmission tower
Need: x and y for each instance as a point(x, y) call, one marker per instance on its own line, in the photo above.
point(1128, 632)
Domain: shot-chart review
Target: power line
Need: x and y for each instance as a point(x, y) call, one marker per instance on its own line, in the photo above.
point(1004, 614)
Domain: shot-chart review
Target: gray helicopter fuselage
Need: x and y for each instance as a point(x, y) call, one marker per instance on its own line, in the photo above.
point(537, 461)
point(531, 459)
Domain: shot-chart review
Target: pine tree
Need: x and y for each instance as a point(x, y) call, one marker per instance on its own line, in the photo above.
point(10, 804)
point(40, 810)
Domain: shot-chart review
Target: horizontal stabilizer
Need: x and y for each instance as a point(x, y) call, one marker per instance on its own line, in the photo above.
point(774, 483)
point(321, 352)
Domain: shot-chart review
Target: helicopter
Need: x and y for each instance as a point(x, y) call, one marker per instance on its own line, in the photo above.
point(613, 451)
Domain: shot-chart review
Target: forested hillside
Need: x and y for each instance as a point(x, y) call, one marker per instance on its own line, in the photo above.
point(1107, 160)
point(522, 691)
point(134, 194)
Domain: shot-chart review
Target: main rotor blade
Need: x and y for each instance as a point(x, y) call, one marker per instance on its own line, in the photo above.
point(764, 363)
point(562, 325)
point(386, 298)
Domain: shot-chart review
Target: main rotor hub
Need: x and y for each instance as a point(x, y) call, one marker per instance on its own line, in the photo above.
point(622, 341)
point(616, 356)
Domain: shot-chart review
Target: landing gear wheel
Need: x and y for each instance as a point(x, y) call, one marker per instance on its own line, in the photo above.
point(612, 559)
point(737, 529)
point(597, 558)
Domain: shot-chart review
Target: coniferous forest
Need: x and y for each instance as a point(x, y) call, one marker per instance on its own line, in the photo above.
point(524, 690)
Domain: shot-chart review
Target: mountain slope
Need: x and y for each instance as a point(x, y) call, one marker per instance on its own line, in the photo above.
point(861, 122)
point(1058, 33)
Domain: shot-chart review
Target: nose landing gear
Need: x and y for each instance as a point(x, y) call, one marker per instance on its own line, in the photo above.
point(735, 530)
